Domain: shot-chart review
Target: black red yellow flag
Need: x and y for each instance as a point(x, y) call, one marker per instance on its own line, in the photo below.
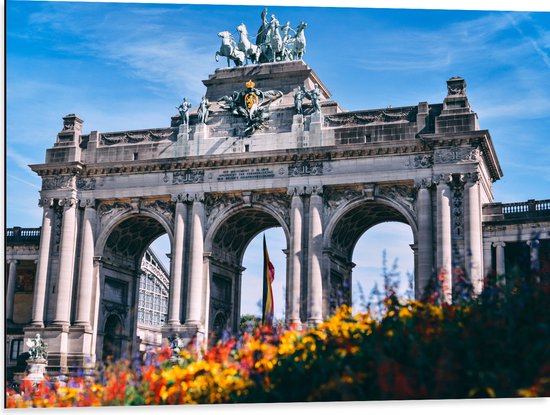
point(267, 303)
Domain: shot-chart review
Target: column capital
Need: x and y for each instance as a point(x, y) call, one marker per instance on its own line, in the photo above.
point(443, 179)
point(533, 243)
point(97, 260)
point(472, 178)
point(313, 190)
point(12, 261)
point(188, 197)
point(424, 183)
point(88, 203)
point(180, 198)
point(501, 244)
point(297, 190)
point(68, 202)
point(46, 202)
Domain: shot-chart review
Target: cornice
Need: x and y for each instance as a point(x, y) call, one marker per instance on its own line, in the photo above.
point(479, 138)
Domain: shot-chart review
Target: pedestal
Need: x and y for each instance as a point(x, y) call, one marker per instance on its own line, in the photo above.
point(315, 130)
point(36, 370)
point(297, 129)
point(182, 143)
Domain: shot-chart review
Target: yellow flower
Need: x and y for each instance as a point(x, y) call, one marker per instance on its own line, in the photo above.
point(405, 313)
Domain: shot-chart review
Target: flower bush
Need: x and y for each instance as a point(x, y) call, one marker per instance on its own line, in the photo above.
point(494, 345)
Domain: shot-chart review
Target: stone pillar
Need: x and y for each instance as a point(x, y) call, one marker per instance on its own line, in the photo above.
point(10, 293)
point(86, 274)
point(41, 278)
point(472, 232)
point(500, 258)
point(315, 244)
point(196, 270)
point(176, 273)
point(294, 259)
point(96, 306)
point(66, 262)
point(425, 238)
point(444, 248)
point(487, 259)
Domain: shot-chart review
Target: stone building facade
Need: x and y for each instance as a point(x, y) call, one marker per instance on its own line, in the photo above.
point(324, 175)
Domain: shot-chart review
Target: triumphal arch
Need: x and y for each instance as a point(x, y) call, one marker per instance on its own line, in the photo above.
point(266, 147)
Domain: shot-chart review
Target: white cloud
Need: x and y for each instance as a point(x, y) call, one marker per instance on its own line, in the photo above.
point(20, 180)
point(138, 42)
point(19, 159)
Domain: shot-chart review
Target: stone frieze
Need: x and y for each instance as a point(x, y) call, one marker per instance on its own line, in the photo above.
point(129, 137)
point(454, 154)
point(59, 182)
point(85, 184)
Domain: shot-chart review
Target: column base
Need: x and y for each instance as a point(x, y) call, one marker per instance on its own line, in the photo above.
point(171, 328)
point(83, 325)
point(295, 325)
point(313, 322)
point(63, 325)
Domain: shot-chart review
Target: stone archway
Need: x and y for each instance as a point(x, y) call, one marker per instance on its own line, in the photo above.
point(347, 225)
point(227, 240)
point(121, 247)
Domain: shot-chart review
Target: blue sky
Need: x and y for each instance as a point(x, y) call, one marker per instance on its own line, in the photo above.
point(126, 66)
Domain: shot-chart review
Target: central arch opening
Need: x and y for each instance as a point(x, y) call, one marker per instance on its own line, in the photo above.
point(364, 233)
point(252, 277)
point(236, 277)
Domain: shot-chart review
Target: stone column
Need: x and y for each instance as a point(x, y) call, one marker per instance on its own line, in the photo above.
point(41, 277)
point(96, 305)
point(315, 243)
point(444, 248)
point(500, 258)
point(294, 259)
point(425, 238)
point(86, 275)
point(176, 274)
point(66, 262)
point(472, 232)
point(487, 259)
point(196, 270)
point(10, 293)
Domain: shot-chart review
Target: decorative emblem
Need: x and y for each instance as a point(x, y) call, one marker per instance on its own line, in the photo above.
point(251, 98)
point(306, 168)
point(251, 104)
